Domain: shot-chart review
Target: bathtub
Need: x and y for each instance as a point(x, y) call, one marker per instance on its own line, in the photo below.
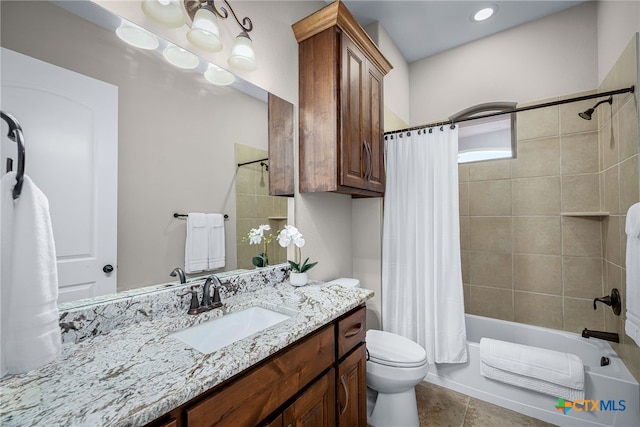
point(613, 384)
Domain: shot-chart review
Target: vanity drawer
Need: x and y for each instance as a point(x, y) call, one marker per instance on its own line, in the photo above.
point(351, 331)
point(251, 398)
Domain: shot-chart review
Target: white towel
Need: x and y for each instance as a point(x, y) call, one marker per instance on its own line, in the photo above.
point(546, 371)
point(216, 257)
point(29, 291)
point(196, 251)
point(632, 229)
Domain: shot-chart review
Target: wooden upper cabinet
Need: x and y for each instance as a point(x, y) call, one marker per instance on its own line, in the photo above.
point(281, 171)
point(341, 105)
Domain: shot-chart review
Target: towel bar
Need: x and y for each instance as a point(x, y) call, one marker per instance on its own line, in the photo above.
point(179, 215)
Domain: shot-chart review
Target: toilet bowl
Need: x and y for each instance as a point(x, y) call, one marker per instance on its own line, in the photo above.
point(395, 365)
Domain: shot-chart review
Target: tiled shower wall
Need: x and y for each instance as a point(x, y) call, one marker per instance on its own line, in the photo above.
point(619, 179)
point(523, 260)
point(537, 247)
point(255, 207)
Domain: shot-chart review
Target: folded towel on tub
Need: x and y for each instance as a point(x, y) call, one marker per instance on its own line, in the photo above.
point(546, 371)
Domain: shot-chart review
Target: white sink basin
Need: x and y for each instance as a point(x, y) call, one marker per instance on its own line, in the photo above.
point(215, 334)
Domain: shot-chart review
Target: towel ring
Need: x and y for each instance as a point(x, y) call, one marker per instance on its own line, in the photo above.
point(15, 134)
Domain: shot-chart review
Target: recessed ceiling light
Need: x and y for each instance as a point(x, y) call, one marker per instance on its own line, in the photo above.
point(484, 14)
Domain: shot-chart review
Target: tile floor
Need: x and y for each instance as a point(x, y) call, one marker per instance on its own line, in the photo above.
point(440, 407)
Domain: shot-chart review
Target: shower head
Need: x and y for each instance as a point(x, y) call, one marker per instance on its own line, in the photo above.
point(587, 114)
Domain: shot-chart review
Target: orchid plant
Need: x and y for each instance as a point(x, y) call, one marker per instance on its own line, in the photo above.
point(257, 236)
point(288, 235)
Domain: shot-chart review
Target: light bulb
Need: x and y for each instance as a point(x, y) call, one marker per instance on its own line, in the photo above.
point(204, 32)
point(242, 55)
point(166, 12)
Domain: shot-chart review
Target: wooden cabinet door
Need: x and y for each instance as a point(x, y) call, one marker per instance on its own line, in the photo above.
point(352, 137)
point(361, 151)
point(352, 389)
point(373, 131)
point(315, 407)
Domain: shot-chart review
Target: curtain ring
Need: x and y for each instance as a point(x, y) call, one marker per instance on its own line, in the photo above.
point(452, 126)
point(408, 133)
point(431, 130)
point(441, 129)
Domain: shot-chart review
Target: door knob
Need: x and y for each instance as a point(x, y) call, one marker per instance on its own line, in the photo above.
point(107, 268)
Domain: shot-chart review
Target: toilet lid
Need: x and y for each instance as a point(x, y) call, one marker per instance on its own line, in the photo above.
point(391, 349)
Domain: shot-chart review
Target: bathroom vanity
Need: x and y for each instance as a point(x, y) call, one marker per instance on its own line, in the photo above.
point(120, 365)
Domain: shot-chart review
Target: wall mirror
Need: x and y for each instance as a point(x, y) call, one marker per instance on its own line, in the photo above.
point(176, 139)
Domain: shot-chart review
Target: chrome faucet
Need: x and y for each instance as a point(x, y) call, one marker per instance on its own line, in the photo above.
point(180, 273)
point(206, 303)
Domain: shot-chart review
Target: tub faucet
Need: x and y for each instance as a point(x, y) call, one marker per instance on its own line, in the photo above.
point(608, 336)
point(180, 274)
point(614, 301)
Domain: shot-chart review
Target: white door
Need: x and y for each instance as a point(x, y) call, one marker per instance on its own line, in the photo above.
point(70, 127)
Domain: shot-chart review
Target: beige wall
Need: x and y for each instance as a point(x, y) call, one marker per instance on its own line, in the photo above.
point(548, 57)
point(526, 258)
point(618, 21)
point(619, 178)
point(255, 207)
point(543, 235)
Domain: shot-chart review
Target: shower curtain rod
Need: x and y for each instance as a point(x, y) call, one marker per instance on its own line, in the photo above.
point(517, 110)
point(253, 161)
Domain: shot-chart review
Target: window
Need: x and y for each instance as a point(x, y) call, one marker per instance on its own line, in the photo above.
point(487, 138)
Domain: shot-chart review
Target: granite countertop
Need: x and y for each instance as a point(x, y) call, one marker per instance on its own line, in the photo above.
point(133, 375)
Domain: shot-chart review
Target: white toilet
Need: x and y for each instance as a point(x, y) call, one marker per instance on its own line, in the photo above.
point(395, 365)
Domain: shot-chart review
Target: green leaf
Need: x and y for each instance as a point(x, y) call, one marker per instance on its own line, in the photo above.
point(294, 266)
point(307, 267)
point(259, 261)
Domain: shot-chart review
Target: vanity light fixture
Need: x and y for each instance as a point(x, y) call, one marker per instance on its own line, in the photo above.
point(137, 36)
point(180, 57)
point(242, 55)
point(204, 31)
point(166, 12)
point(484, 14)
point(218, 76)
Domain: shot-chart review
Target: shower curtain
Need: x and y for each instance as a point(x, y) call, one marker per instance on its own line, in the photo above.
point(422, 295)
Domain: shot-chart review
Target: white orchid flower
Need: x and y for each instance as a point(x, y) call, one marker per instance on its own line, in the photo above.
point(289, 235)
point(256, 234)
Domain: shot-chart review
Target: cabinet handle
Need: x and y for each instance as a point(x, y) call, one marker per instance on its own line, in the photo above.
point(367, 163)
point(346, 393)
point(353, 331)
